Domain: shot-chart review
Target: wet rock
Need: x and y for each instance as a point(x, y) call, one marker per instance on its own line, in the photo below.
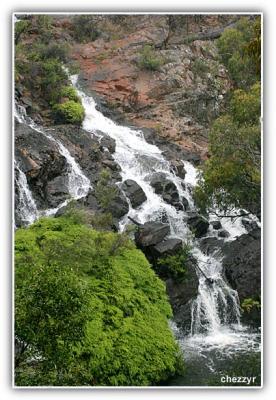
point(249, 224)
point(178, 168)
point(223, 233)
point(181, 295)
point(216, 224)
point(167, 247)
point(111, 164)
point(107, 142)
point(151, 233)
point(242, 266)
point(166, 188)
point(41, 161)
point(57, 190)
point(210, 245)
point(134, 192)
point(118, 206)
point(198, 224)
point(91, 151)
point(185, 203)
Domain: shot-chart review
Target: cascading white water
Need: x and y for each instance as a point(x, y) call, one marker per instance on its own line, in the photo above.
point(26, 206)
point(215, 312)
point(78, 183)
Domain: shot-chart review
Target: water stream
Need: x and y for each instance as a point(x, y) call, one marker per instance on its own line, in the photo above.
point(78, 183)
point(216, 334)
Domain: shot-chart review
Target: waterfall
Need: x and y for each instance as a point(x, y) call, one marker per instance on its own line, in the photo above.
point(216, 307)
point(78, 183)
point(215, 313)
point(26, 207)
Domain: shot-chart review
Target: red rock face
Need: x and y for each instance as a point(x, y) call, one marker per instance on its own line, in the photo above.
point(171, 99)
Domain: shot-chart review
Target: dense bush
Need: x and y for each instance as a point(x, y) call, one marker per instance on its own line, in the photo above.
point(70, 93)
point(39, 69)
point(174, 265)
point(149, 59)
point(20, 28)
point(57, 51)
point(105, 191)
point(232, 175)
point(84, 28)
point(69, 112)
point(89, 309)
point(238, 53)
point(200, 67)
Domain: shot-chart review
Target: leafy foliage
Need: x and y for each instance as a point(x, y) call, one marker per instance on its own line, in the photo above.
point(149, 59)
point(39, 69)
point(231, 177)
point(200, 67)
point(84, 28)
point(239, 50)
point(174, 265)
point(69, 112)
point(248, 304)
point(89, 308)
point(21, 27)
point(71, 93)
point(105, 191)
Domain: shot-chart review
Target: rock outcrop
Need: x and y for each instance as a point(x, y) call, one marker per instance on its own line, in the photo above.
point(181, 294)
point(198, 224)
point(134, 192)
point(151, 233)
point(47, 170)
point(242, 266)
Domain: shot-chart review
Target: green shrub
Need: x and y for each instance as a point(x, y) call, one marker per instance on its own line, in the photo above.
point(174, 265)
point(234, 49)
point(149, 59)
point(248, 304)
point(69, 112)
point(58, 51)
point(70, 93)
point(89, 309)
point(245, 106)
point(84, 28)
point(20, 28)
point(199, 67)
point(51, 79)
point(105, 191)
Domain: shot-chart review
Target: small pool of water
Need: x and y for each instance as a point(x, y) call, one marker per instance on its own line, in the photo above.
point(215, 358)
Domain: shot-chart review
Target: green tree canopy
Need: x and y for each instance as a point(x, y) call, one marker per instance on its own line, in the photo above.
point(89, 310)
point(232, 175)
point(240, 51)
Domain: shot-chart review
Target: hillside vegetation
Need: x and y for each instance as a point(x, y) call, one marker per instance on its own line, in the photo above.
point(89, 310)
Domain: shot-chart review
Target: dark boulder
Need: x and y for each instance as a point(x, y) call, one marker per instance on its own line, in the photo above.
point(107, 142)
point(167, 247)
point(57, 190)
point(118, 207)
point(242, 266)
point(185, 203)
point(210, 245)
point(45, 168)
point(181, 294)
point(249, 224)
point(151, 233)
point(223, 233)
point(166, 188)
point(134, 192)
point(177, 167)
point(216, 224)
point(198, 224)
